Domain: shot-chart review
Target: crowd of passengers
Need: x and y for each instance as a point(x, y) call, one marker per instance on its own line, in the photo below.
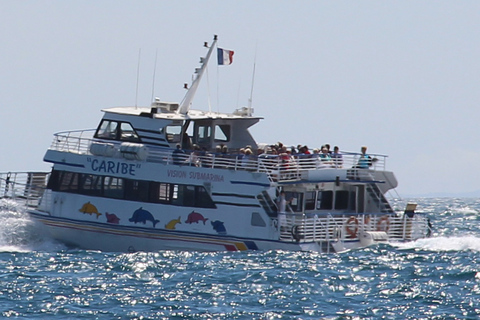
point(277, 155)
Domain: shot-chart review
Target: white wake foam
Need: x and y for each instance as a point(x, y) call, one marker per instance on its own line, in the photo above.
point(19, 233)
point(461, 243)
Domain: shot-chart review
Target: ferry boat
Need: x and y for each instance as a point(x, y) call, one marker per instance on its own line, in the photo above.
point(170, 177)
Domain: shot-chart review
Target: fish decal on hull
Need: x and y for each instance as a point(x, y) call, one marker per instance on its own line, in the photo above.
point(195, 217)
point(90, 209)
point(142, 215)
point(219, 227)
point(112, 218)
point(171, 225)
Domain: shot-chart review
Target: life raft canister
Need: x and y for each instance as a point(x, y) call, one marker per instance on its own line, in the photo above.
point(351, 227)
point(383, 224)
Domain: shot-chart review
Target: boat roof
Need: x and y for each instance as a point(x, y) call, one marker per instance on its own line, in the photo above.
point(192, 114)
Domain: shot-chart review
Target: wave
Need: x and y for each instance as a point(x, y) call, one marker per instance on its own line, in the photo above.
point(463, 243)
point(19, 233)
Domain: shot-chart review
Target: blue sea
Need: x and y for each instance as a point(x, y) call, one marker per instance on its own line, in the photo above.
point(435, 278)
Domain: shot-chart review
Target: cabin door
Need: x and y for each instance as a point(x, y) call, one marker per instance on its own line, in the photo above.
point(360, 199)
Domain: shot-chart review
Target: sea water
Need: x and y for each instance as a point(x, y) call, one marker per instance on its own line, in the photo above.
point(434, 278)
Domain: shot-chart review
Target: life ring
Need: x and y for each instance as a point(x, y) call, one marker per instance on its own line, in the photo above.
point(383, 224)
point(351, 227)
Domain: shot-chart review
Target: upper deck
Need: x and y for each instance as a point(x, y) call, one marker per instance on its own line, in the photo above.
point(279, 168)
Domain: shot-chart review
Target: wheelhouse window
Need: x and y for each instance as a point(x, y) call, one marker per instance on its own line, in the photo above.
point(172, 132)
point(222, 133)
point(116, 130)
point(203, 134)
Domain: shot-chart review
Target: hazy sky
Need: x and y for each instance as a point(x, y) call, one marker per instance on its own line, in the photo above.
point(400, 77)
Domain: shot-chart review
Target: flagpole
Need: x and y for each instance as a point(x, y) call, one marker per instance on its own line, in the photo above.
point(187, 100)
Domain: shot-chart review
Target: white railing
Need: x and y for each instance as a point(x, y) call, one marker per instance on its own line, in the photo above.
point(302, 228)
point(73, 141)
point(284, 167)
point(28, 186)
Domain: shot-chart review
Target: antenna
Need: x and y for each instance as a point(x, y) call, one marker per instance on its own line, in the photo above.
point(138, 74)
point(253, 80)
point(154, 72)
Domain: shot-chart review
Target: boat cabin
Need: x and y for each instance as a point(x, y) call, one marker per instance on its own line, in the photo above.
point(163, 126)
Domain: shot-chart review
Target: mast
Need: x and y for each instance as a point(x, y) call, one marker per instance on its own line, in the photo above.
point(187, 100)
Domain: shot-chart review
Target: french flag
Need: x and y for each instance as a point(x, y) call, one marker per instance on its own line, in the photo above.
point(225, 57)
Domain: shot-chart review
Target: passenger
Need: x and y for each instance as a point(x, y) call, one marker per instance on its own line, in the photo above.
point(224, 151)
point(282, 202)
point(194, 159)
point(325, 157)
point(247, 161)
point(328, 148)
point(178, 155)
point(365, 160)
point(241, 154)
point(186, 142)
point(337, 157)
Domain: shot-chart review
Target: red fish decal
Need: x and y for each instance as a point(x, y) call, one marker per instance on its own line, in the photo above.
point(112, 218)
point(195, 217)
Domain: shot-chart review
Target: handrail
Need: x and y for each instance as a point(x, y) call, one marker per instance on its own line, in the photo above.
point(302, 228)
point(278, 167)
point(23, 185)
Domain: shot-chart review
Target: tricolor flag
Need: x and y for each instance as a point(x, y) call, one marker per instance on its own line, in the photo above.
point(225, 57)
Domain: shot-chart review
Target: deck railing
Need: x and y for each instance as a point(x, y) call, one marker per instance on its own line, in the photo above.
point(27, 186)
point(303, 228)
point(278, 167)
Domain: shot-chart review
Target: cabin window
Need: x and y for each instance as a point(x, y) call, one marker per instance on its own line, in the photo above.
point(297, 201)
point(136, 190)
point(128, 189)
point(184, 195)
point(173, 133)
point(113, 188)
point(127, 133)
point(69, 182)
point(257, 220)
point(107, 130)
point(91, 184)
point(54, 180)
point(202, 198)
point(352, 201)
point(115, 130)
point(160, 192)
point(341, 200)
point(325, 200)
point(203, 134)
point(310, 200)
point(222, 133)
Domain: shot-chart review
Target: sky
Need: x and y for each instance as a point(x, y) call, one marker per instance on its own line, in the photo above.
point(400, 77)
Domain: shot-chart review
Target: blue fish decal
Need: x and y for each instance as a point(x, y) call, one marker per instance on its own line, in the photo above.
point(219, 227)
point(142, 215)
